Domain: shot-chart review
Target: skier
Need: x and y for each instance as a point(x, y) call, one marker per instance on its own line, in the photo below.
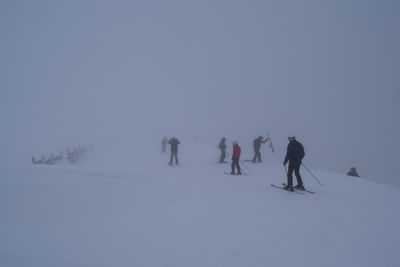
point(174, 142)
point(164, 143)
point(235, 158)
point(257, 146)
point(353, 172)
point(222, 147)
point(294, 154)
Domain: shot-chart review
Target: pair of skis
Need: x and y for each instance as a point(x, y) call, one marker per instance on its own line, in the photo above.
point(298, 191)
point(228, 173)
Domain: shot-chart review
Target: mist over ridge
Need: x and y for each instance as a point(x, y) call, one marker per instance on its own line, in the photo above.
point(76, 72)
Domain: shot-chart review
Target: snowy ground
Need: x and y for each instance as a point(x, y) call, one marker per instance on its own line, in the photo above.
point(127, 209)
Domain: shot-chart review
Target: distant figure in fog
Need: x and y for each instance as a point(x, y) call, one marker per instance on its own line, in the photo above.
point(174, 142)
point(235, 158)
point(257, 146)
point(353, 172)
point(51, 160)
point(222, 147)
point(164, 143)
point(72, 157)
point(69, 155)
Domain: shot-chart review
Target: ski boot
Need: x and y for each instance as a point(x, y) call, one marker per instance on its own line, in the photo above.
point(232, 172)
point(300, 187)
point(239, 173)
point(288, 188)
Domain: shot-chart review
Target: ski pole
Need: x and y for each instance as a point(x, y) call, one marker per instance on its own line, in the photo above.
point(245, 166)
point(312, 174)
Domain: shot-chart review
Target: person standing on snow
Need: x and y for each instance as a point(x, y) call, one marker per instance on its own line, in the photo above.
point(257, 146)
point(294, 154)
point(222, 147)
point(164, 143)
point(235, 158)
point(174, 142)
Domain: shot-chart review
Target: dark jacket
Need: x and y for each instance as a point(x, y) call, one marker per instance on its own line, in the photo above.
point(174, 142)
point(222, 144)
point(257, 142)
point(295, 153)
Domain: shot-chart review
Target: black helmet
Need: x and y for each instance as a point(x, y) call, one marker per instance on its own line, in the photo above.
point(291, 137)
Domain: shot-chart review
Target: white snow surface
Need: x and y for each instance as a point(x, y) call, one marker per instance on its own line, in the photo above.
point(121, 207)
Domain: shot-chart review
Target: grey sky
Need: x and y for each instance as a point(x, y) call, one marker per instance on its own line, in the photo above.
point(326, 71)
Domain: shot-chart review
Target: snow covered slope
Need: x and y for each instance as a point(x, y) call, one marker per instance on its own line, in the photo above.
point(131, 209)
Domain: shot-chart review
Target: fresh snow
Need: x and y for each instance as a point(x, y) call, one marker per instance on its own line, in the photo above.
point(121, 207)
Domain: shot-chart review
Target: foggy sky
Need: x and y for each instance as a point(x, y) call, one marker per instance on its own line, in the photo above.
point(325, 71)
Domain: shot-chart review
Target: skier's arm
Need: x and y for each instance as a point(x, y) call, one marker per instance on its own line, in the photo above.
point(287, 156)
point(302, 153)
point(286, 160)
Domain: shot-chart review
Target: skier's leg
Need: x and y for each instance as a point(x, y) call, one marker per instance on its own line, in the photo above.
point(290, 175)
point(176, 158)
point(259, 156)
point(222, 157)
point(238, 166)
point(233, 166)
point(297, 173)
point(171, 157)
point(255, 156)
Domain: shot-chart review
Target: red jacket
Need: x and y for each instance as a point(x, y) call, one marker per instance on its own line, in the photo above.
point(236, 152)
